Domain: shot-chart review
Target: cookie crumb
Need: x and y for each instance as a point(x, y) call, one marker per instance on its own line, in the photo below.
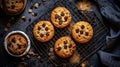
point(8, 24)
point(5, 29)
point(51, 49)
point(28, 56)
point(22, 58)
point(39, 57)
point(23, 18)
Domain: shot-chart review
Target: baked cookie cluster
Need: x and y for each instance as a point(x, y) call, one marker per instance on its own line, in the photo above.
point(64, 47)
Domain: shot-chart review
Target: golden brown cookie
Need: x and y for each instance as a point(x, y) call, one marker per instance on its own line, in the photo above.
point(17, 44)
point(64, 47)
point(43, 31)
point(82, 31)
point(61, 17)
point(14, 6)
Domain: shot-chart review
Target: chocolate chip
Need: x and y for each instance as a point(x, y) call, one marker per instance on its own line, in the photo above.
point(13, 40)
point(47, 34)
point(77, 30)
point(43, 24)
point(86, 33)
point(79, 35)
point(82, 27)
point(59, 48)
point(70, 46)
point(65, 42)
point(65, 46)
point(13, 6)
point(59, 18)
point(35, 14)
point(41, 35)
point(62, 14)
point(56, 16)
point(81, 32)
point(60, 23)
point(46, 28)
point(65, 18)
point(39, 28)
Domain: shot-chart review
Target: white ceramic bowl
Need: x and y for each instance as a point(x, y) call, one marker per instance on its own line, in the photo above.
point(22, 33)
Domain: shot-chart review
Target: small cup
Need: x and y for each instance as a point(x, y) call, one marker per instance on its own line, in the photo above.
point(6, 43)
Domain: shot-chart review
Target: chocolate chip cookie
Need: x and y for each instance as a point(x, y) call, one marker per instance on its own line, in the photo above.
point(61, 17)
point(43, 31)
point(14, 6)
point(17, 44)
point(82, 31)
point(64, 47)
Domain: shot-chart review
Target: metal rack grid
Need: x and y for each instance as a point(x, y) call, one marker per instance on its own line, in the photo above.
point(85, 50)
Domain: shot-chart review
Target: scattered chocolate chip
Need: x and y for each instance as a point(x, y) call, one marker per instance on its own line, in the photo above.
point(59, 48)
point(31, 7)
point(13, 40)
point(77, 30)
point(60, 23)
point(39, 28)
point(29, 20)
point(65, 46)
point(23, 18)
point(22, 64)
point(35, 14)
point(38, 57)
point(29, 10)
point(47, 34)
point(51, 49)
point(41, 35)
point(46, 28)
point(36, 5)
point(82, 27)
point(43, 0)
point(81, 32)
point(62, 14)
point(8, 24)
point(43, 25)
point(28, 56)
point(56, 16)
point(65, 18)
point(65, 42)
point(86, 33)
point(5, 29)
